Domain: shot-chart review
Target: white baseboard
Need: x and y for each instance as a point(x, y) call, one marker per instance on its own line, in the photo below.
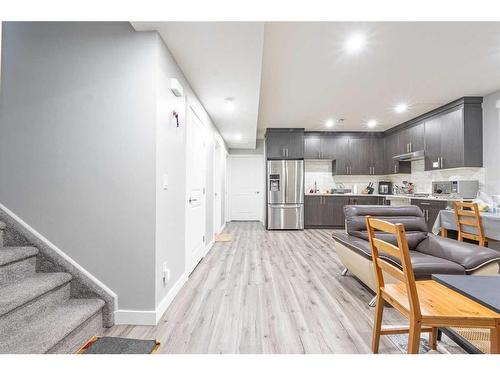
point(151, 318)
point(135, 317)
point(167, 300)
point(209, 246)
point(223, 227)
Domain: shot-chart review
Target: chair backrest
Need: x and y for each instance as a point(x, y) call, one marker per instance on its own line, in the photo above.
point(401, 252)
point(467, 215)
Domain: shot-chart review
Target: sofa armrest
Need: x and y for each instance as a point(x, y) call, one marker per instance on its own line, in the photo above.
point(468, 255)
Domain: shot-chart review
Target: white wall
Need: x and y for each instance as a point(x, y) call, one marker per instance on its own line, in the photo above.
point(171, 160)
point(491, 142)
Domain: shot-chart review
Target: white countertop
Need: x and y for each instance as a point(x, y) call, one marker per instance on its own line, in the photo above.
point(389, 197)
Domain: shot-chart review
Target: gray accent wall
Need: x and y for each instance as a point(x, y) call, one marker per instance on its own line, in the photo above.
point(77, 146)
point(491, 142)
point(87, 136)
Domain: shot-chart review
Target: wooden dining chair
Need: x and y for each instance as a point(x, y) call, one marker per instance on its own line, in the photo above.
point(427, 304)
point(467, 216)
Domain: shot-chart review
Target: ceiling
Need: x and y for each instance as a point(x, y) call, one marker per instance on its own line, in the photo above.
point(220, 60)
point(299, 74)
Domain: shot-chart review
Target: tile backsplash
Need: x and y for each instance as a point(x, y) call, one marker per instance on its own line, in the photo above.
point(320, 171)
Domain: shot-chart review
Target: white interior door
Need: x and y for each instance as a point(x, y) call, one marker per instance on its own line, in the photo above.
point(218, 181)
point(195, 215)
point(246, 185)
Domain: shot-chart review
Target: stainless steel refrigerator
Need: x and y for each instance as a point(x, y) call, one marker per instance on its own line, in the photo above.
point(285, 194)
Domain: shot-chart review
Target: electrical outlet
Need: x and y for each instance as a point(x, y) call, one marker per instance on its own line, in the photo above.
point(166, 273)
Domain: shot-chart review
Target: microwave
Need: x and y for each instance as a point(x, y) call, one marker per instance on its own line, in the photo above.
point(463, 189)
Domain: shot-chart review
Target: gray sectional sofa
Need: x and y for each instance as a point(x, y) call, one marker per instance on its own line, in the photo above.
point(430, 254)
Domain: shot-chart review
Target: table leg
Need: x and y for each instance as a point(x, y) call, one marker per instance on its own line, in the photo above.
point(444, 232)
point(495, 339)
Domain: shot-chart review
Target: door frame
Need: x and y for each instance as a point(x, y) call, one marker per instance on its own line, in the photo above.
point(263, 198)
point(218, 168)
point(190, 264)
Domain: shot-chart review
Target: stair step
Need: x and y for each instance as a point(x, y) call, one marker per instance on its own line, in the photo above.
point(15, 294)
point(43, 333)
point(17, 263)
point(14, 254)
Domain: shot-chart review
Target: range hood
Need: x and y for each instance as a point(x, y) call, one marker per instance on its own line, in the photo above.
point(416, 155)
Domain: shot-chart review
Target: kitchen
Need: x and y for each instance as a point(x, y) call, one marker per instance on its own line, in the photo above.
point(428, 161)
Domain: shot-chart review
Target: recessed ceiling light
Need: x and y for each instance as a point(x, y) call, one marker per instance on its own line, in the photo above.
point(400, 108)
point(238, 137)
point(371, 123)
point(230, 107)
point(329, 123)
point(355, 43)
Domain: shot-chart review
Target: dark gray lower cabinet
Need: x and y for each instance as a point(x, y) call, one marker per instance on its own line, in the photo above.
point(328, 211)
point(430, 209)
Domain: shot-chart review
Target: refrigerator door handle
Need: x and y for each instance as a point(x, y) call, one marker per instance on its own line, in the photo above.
point(286, 205)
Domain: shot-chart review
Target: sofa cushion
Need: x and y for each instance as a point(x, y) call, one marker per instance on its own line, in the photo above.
point(424, 265)
point(469, 256)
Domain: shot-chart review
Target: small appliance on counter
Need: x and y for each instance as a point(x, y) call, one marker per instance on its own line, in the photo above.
point(466, 189)
point(385, 187)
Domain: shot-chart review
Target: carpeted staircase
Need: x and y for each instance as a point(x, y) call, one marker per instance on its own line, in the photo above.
point(37, 311)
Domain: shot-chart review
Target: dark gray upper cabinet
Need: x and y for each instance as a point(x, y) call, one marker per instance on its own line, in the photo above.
point(411, 139)
point(312, 146)
point(320, 146)
point(454, 138)
point(376, 156)
point(359, 152)
point(417, 137)
point(393, 148)
point(285, 143)
point(331, 147)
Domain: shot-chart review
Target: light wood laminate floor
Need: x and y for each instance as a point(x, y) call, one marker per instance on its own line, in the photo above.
point(270, 292)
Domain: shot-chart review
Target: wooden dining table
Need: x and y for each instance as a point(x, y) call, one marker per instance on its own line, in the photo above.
point(490, 221)
point(481, 289)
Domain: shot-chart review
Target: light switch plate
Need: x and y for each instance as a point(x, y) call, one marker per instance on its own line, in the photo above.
point(165, 182)
point(435, 164)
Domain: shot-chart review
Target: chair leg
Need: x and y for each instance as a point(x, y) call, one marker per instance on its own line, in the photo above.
point(495, 340)
point(414, 337)
point(433, 337)
point(377, 324)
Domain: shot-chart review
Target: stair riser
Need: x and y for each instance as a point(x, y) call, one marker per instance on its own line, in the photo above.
point(17, 270)
point(20, 316)
point(76, 339)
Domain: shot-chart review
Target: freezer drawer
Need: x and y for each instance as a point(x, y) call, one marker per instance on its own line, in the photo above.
point(285, 216)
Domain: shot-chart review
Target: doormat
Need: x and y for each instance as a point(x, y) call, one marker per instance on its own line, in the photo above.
point(119, 345)
point(223, 237)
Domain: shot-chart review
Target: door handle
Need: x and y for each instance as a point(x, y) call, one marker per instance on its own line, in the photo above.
point(192, 200)
point(257, 192)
